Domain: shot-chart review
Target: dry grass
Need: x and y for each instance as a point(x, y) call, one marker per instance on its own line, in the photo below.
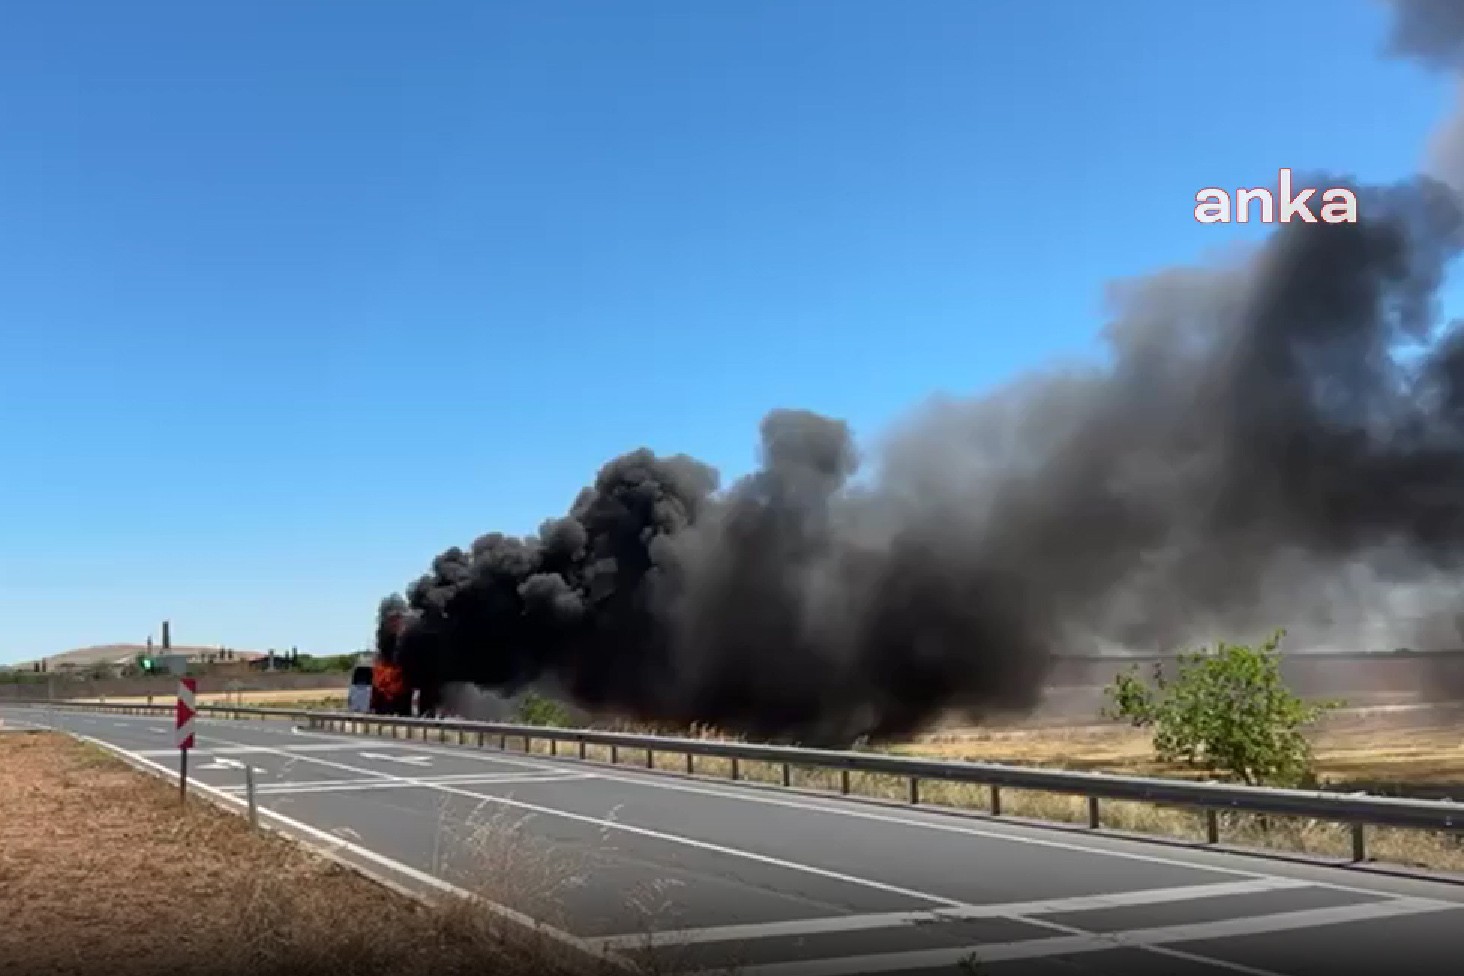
point(299, 701)
point(1352, 753)
point(104, 871)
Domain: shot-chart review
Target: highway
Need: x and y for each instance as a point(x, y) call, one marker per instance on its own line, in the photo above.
point(703, 876)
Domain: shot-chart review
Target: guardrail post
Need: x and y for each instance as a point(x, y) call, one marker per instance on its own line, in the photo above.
point(249, 791)
point(843, 781)
point(614, 754)
point(734, 767)
point(650, 759)
point(914, 789)
point(1094, 821)
point(690, 764)
point(554, 748)
point(503, 742)
point(1212, 826)
point(1359, 842)
point(582, 749)
point(995, 800)
point(787, 775)
point(480, 740)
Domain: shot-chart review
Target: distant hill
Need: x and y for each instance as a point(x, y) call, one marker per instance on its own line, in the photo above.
point(85, 657)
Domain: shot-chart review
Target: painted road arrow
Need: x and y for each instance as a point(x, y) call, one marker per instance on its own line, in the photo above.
point(220, 762)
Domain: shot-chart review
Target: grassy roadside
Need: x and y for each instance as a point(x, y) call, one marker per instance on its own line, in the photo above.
point(102, 871)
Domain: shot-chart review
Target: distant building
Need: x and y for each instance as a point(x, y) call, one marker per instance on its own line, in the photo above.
point(171, 663)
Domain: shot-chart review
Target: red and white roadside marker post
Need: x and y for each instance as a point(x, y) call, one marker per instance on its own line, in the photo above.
point(187, 689)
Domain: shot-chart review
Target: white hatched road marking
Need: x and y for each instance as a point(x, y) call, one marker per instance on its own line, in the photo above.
point(416, 760)
point(336, 843)
point(349, 785)
point(880, 920)
point(754, 856)
point(641, 831)
point(247, 750)
point(743, 793)
point(1073, 940)
point(1066, 945)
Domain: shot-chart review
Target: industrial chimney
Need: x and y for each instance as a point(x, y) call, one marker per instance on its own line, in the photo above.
point(167, 637)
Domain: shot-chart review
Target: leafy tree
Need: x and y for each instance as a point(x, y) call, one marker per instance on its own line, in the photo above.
point(1226, 710)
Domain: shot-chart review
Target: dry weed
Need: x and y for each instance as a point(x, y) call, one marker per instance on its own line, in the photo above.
point(104, 871)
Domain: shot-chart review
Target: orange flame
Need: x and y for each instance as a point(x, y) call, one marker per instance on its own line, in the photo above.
point(387, 680)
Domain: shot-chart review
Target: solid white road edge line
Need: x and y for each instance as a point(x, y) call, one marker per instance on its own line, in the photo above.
point(879, 920)
point(334, 843)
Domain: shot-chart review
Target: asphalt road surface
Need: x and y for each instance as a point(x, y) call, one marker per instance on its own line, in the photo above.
point(706, 875)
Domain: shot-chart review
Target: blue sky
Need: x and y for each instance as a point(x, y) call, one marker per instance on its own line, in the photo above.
point(295, 294)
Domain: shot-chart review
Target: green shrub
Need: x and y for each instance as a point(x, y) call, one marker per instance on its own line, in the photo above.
point(536, 709)
point(1226, 710)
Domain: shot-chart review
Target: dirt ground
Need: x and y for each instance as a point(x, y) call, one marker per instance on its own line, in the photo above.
point(102, 870)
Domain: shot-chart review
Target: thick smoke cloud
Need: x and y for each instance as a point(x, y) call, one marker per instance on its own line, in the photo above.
point(1277, 441)
point(1432, 32)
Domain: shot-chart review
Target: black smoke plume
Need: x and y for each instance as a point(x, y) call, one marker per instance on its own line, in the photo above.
point(1432, 32)
point(1276, 441)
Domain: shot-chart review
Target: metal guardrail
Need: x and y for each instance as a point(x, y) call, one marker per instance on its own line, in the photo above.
point(1356, 809)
